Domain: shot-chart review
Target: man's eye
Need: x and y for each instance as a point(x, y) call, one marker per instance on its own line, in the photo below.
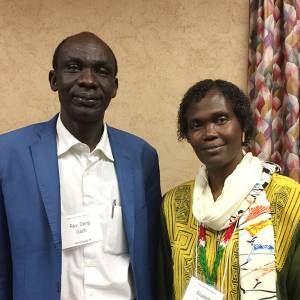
point(102, 71)
point(221, 120)
point(73, 67)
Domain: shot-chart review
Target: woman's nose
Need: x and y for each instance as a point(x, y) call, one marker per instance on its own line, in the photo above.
point(210, 130)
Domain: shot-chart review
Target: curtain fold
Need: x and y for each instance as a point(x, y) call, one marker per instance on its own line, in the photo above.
point(273, 86)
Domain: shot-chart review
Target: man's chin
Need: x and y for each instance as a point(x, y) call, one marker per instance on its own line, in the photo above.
point(89, 117)
point(83, 116)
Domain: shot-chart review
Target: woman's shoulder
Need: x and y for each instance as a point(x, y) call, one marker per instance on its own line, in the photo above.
point(189, 183)
point(177, 209)
point(182, 189)
point(180, 195)
point(283, 189)
point(281, 180)
point(284, 194)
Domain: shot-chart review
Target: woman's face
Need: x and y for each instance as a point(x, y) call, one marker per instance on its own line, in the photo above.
point(214, 132)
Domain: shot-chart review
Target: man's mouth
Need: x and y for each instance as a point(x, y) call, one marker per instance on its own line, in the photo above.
point(86, 101)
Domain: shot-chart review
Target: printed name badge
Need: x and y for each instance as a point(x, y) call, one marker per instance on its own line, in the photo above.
point(80, 229)
point(198, 290)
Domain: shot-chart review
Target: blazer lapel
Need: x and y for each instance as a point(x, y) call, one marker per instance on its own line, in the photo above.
point(125, 176)
point(44, 155)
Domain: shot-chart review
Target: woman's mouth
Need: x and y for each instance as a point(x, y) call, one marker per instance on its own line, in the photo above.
point(211, 149)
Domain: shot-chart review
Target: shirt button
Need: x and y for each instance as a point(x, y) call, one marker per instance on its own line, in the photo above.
point(89, 294)
point(91, 201)
point(58, 287)
point(89, 263)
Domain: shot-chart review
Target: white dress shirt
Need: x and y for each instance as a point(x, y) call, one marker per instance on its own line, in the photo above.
point(88, 184)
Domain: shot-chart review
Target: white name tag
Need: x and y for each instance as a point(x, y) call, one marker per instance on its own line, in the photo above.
point(80, 229)
point(198, 290)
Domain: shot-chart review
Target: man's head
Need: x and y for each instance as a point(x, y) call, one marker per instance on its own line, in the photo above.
point(56, 52)
point(84, 75)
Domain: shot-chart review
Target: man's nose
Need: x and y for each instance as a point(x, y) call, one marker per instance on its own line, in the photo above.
point(87, 78)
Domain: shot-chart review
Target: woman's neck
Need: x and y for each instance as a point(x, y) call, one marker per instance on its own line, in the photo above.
point(217, 177)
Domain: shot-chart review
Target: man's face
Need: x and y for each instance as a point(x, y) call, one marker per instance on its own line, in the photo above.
point(85, 79)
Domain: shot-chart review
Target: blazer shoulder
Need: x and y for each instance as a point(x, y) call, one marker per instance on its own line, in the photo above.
point(25, 136)
point(20, 132)
point(128, 138)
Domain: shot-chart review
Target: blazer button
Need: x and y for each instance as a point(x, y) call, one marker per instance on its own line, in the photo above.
point(58, 287)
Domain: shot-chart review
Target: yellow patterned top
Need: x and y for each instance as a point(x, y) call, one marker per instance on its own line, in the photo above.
point(179, 234)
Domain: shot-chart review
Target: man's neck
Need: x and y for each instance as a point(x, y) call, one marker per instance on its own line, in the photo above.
point(88, 133)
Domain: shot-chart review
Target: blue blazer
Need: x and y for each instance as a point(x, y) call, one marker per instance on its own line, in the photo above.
point(30, 233)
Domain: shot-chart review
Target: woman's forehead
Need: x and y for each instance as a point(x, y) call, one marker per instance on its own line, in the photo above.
point(213, 100)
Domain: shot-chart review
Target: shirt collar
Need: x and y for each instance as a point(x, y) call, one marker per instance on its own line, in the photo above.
point(65, 141)
point(104, 144)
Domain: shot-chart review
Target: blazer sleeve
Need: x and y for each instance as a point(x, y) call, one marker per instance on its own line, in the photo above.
point(153, 199)
point(5, 254)
point(165, 264)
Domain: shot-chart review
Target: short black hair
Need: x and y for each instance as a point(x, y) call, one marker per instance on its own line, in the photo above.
point(234, 95)
point(56, 52)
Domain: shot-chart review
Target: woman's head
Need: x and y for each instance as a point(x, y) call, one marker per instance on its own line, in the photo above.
point(238, 101)
point(215, 117)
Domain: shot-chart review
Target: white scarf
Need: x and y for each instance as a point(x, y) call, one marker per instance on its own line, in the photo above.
point(243, 198)
point(216, 214)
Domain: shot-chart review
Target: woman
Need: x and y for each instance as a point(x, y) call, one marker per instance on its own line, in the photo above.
point(236, 227)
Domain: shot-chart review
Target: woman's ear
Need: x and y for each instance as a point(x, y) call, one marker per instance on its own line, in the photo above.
point(52, 80)
point(243, 138)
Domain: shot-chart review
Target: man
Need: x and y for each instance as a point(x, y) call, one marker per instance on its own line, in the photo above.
point(79, 200)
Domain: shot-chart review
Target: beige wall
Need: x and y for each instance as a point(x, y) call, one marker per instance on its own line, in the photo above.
point(162, 46)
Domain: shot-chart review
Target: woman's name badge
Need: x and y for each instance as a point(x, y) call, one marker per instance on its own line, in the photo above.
point(198, 290)
point(80, 229)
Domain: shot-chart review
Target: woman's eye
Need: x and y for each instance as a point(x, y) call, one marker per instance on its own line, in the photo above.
point(195, 124)
point(221, 120)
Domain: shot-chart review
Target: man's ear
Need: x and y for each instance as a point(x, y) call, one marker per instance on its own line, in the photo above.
point(116, 88)
point(52, 80)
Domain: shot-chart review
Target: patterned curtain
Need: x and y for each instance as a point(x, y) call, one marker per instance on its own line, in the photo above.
point(274, 68)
